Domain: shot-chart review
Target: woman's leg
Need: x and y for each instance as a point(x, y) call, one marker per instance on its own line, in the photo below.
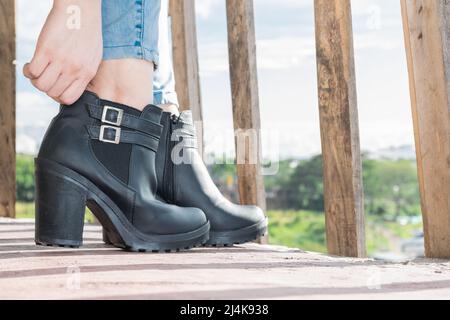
point(100, 151)
point(124, 81)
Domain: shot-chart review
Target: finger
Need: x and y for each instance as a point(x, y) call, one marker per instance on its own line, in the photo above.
point(62, 84)
point(35, 68)
point(26, 71)
point(48, 78)
point(74, 91)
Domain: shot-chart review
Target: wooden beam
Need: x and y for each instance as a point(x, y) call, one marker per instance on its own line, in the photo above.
point(7, 109)
point(427, 36)
point(185, 60)
point(246, 115)
point(342, 167)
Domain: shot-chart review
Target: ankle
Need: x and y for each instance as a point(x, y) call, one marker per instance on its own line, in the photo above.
point(125, 81)
point(170, 108)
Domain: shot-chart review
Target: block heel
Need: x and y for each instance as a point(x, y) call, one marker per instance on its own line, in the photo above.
point(60, 209)
point(62, 196)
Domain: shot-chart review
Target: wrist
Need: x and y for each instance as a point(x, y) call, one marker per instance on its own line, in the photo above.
point(89, 4)
point(86, 14)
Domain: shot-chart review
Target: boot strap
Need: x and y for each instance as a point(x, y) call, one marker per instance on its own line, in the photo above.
point(115, 135)
point(117, 117)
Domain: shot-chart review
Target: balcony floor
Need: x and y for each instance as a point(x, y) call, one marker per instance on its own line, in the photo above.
point(247, 271)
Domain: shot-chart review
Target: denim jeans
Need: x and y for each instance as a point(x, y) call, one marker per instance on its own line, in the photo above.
point(139, 29)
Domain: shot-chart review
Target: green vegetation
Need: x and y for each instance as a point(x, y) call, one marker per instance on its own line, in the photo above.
point(297, 229)
point(25, 178)
point(25, 210)
point(391, 188)
point(295, 202)
point(306, 230)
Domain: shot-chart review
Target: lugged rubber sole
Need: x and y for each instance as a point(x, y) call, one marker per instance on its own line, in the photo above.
point(224, 239)
point(61, 198)
point(117, 243)
point(200, 243)
point(244, 235)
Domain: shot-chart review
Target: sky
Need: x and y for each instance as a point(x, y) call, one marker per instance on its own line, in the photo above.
point(287, 75)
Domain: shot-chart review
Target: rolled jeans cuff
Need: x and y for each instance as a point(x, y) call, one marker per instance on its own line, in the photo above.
point(131, 52)
point(131, 28)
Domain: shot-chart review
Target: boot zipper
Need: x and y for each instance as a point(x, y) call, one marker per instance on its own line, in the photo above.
point(170, 174)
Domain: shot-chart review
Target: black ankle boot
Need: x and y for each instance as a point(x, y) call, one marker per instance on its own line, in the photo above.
point(102, 154)
point(188, 184)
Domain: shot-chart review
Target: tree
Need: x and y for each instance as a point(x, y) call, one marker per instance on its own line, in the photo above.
point(304, 189)
point(391, 188)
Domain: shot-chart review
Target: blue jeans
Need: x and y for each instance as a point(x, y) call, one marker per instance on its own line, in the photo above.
point(139, 29)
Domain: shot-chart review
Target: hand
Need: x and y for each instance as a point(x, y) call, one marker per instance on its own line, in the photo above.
point(69, 50)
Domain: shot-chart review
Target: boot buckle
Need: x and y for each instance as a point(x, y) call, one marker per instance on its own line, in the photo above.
point(106, 134)
point(112, 116)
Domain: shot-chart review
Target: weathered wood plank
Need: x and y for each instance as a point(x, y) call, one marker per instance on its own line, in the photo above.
point(7, 109)
point(427, 39)
point(343, 188)
point(246, 114)
point(185, 60)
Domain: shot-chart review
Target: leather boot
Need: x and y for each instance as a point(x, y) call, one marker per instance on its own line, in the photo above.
point(102, 154)
point(188, 184)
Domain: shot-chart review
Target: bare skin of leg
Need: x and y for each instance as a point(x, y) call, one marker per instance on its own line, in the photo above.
point(171, 108)
point(126, 81)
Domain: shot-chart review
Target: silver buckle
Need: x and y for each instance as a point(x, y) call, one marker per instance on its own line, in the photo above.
point(118, 122)
point(117, 131)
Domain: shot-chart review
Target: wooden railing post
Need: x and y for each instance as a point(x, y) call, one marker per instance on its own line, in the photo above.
point(246, 115)
point(343, 189)
point(185, 60)
point(7, 109)
point(427, 38)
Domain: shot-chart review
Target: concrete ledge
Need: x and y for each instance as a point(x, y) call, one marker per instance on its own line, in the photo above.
point(244, 272)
